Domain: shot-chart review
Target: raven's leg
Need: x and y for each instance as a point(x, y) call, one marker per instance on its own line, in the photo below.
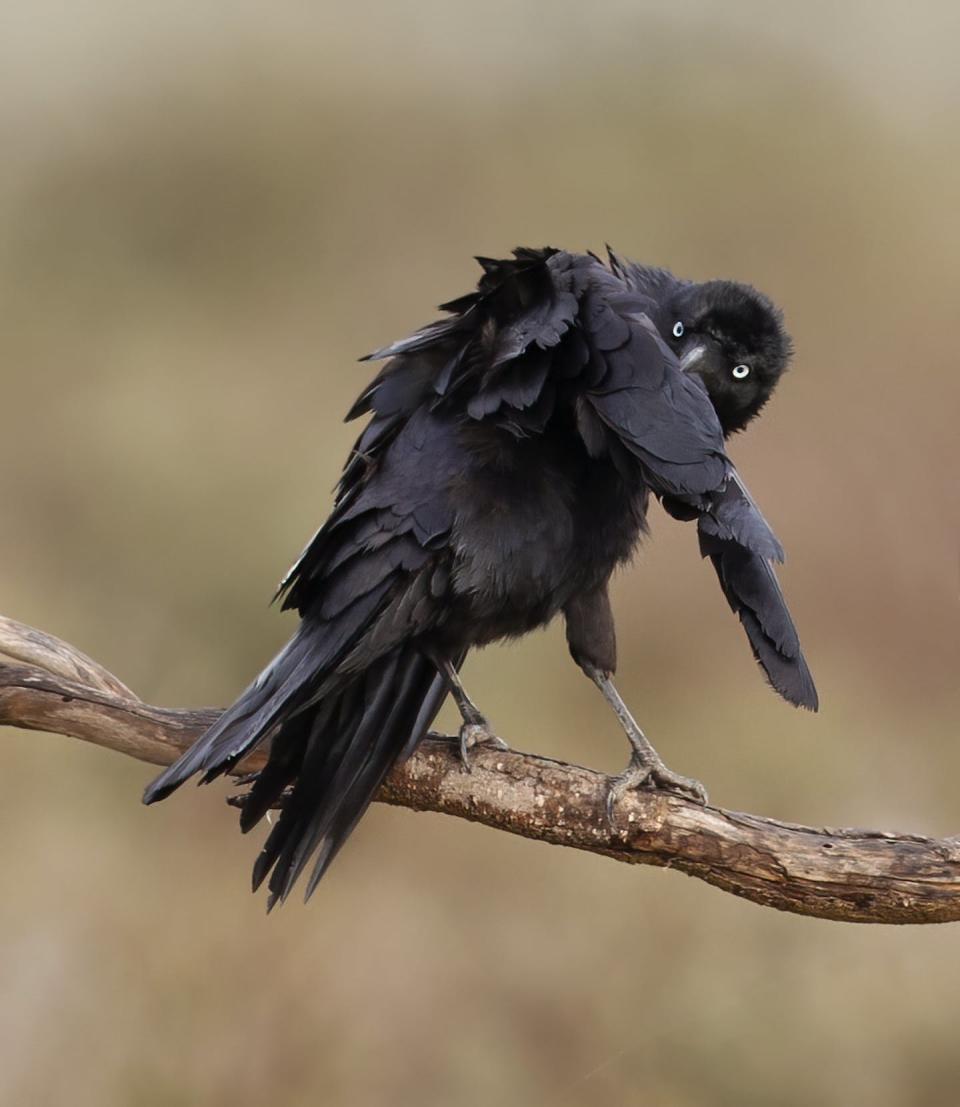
point(593, 645)
point(476, 730)
point(646, 766)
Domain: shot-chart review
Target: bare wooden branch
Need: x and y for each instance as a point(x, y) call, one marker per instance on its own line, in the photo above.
point(33, 647)
point(848, 875)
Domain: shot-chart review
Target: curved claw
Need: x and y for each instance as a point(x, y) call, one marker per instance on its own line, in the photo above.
point(646, 774)
point(477, 734)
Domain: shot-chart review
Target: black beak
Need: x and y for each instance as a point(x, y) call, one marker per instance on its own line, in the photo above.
point(693, 356)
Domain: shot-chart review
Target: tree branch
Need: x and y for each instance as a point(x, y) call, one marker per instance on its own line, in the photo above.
point(848, 875)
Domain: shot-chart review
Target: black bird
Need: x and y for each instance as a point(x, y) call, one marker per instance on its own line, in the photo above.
point(505, 472)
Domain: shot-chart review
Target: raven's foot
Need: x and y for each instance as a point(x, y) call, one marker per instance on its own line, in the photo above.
point(645, 770)
point(477, 732)
point(649, 772)
point(471, 735)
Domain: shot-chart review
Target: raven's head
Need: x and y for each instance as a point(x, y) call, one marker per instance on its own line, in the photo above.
point(733, 338)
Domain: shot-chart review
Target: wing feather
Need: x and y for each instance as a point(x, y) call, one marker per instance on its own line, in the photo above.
point(547, 332)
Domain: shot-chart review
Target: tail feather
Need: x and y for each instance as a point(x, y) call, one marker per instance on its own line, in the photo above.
point(313, 807)
point(330, 748)
point(243, 726)
point(286, 762)
point(412, 705)
point(287, 684)
point(327, 744)
point(387, 711)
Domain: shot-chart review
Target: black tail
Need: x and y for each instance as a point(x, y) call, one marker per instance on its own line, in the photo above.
point(332, 753)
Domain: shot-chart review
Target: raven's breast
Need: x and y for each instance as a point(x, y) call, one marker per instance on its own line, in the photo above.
point(514, 540)
point(534, 526)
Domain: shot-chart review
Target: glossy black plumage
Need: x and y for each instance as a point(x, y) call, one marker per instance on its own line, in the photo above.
point(504, 473)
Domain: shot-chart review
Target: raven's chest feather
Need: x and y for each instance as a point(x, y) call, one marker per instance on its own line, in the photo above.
point(537, 522)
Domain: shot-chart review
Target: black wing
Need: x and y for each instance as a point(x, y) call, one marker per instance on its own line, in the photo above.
point(664, 418)
point(367, 582)
point(550, 330)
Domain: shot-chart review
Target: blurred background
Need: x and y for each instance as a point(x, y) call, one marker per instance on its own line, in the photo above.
point(208, 210)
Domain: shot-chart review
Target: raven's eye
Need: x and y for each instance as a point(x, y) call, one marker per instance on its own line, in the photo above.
point(741, 371)
point(678, 329)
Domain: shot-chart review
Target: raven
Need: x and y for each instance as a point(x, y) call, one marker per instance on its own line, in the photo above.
point(505, 472)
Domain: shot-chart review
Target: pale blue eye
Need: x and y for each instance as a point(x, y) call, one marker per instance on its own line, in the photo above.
point(678, 329)
point(741, 371)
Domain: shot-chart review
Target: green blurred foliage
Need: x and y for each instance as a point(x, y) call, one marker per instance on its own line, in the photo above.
point(207, 211)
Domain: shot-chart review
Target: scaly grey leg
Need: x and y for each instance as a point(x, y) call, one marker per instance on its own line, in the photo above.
point(476, 730)
point(646, 766)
